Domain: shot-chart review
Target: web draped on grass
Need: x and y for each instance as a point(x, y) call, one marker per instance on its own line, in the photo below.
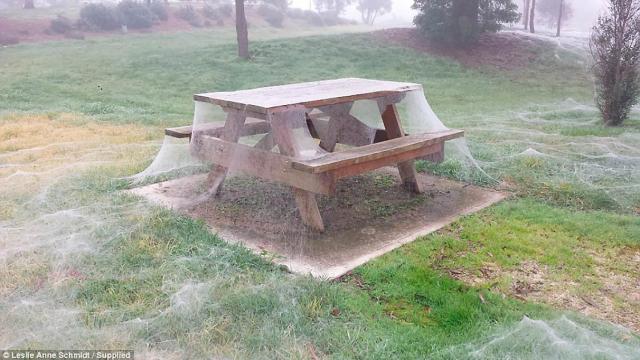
point(63, 219)
point(561, 338)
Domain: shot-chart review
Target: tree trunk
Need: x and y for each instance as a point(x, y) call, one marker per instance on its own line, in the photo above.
point(560, 11)
point(28, 4)
point(241, 30)
point(465, 12)
point(532, 16)
point(525, 14)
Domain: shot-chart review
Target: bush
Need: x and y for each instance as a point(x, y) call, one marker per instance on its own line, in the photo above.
point(271, 14)
point(615, 47)
point(282, 5)
point(135, 15)
point(226, 10)
point(61, 25)
point(98, 17)
point(459, 21)
point(189, 14)
point(159, 10)
point(211, 12)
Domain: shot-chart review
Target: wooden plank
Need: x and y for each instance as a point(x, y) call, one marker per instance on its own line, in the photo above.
point(266, 143)
point(263, 164)
point(407, 170)
point(337, 117)
point(435, 157)
point(308, 95)
point(366, 166)
point(250, 128)
point(282, 125)
point(374, 151)
point(178, 132)
point(318, 130)
point(231, 132)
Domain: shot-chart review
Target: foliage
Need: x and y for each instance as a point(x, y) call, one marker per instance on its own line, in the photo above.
point(212, 13)
point(135, 15)
point(460, 21)
point(333, 6)
point(310, 16)
point(225, 10)
point(61, 25)
point(189, 14)
point(283, 5)
point(369, 9)
point(99, 17)
point(158, 9)
point(548, 10)
point(615, 48)
point(272, 14)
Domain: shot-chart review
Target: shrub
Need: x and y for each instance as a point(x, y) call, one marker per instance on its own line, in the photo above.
point(98, 17)
point(460, 21)
point(226, 10)
point(135, 15)
point(282, 5)
point(159, 10)
point(310, 16)
point(189, 14)
point(211, 12)
point(615, 47)
point(61, 25)
point(271, 14)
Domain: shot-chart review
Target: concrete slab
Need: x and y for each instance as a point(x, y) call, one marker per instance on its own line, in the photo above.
point(370, 215)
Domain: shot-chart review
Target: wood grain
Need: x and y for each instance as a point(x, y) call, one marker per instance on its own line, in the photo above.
point(306, 95)
point(375, 151)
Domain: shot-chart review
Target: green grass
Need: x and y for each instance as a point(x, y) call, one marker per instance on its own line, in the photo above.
point(158, 281)
point(150, 78)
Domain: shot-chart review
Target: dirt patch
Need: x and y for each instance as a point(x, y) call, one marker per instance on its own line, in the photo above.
point(505, 51)
point(617, 300)
point(370, 215)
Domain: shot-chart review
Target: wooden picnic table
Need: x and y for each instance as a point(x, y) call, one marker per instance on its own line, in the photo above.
point(321, 108)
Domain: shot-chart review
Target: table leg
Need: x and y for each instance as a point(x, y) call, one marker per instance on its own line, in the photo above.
point(407, 170)
point(345, 128)
point(232, 130)
point(282, 125)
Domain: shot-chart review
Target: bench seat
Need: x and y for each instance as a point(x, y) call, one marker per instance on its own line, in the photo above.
point(379, 154)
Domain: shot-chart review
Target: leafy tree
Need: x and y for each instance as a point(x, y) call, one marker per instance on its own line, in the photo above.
point(615, 47)
point(334, 6)
point(461, 21)
point(369, 9)
point(555, 12)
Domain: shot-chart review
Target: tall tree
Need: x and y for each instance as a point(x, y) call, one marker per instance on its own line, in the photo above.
point(560, 14)
point(554, 12)
point(461, 21)
point(370, 9)
point(615, 47)
point(526, 5)
point(532, 17)
point(242, 33)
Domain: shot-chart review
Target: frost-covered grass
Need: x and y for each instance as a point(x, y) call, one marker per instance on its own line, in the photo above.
point(84, 266)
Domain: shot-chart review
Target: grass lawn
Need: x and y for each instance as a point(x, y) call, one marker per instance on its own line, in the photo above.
point(85, 266)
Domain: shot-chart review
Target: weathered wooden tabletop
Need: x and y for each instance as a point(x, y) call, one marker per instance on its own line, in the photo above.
point(309, 95)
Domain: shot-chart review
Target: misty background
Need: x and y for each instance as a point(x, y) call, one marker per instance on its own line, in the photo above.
point(585, 13)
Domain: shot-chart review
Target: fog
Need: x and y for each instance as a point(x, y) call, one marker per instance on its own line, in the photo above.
point(585, 13)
